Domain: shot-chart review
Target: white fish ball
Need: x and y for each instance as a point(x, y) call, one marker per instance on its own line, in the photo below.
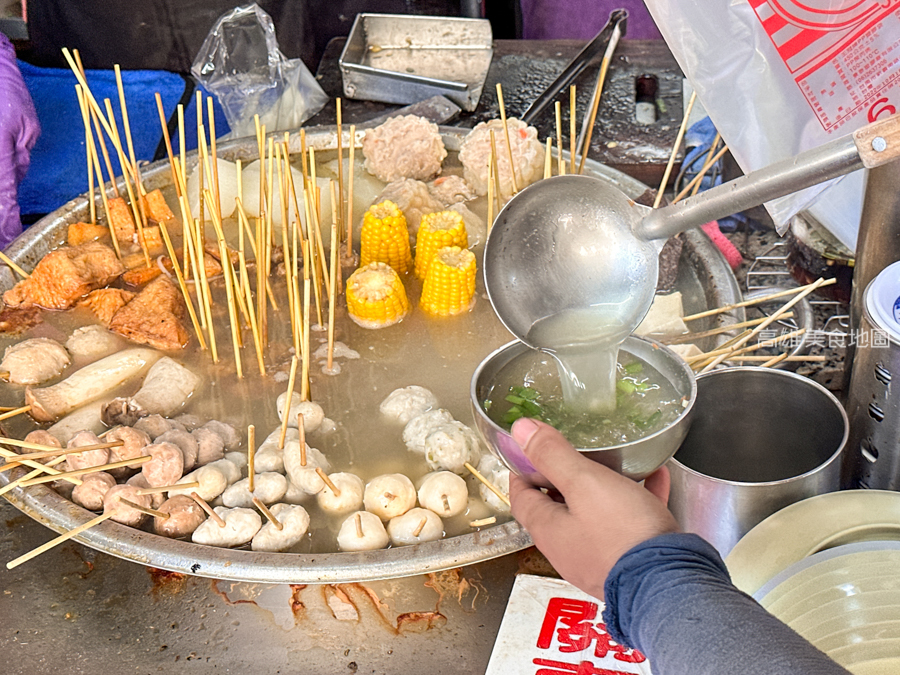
point(362, 531)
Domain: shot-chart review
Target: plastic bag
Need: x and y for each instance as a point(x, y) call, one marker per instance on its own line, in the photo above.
point(781, 76)
point(241, 64)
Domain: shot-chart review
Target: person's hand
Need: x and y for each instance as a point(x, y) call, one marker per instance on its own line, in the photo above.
point(603, 514)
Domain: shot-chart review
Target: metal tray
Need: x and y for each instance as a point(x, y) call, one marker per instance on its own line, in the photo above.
point(405, 59)
point(705, 279)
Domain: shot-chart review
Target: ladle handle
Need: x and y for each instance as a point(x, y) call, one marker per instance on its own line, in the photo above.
point(873, 145)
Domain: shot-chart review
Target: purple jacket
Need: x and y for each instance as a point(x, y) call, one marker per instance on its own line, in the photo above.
point(582, 19)
point(19, 131)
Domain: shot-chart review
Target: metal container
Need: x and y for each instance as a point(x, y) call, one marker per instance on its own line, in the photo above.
point(872, 459)
point(405, 59)
point(761, 439)
point(635, 460)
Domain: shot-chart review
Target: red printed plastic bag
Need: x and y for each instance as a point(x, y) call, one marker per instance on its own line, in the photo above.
point(781, 76)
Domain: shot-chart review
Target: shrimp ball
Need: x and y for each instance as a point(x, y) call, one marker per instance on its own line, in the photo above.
point(362, 531)
point(89, 458)
point(268, 488)
point(414, 527)
point(92, 490)
point(212, 483)
point(405, 403)
point(121, 512)
point(185, 516)
point(313, 415)
point(294, 525)
point(167, 465)
point(133, 443)
point(390, 495)
point(500, 480)
point(351, 498)
point(240, 527)
point(302, 475)
point(450, 446)
point(417, 429)
point(445, 493)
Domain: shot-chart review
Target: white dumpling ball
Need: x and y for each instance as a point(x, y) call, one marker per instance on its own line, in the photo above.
point(500, 480)
point(389, 495)
point(401, 405)
point(268, 456)
point(239, 459)
point(212, 483)
point(414, 527)
point(267, 487)
point(295, 494)
point(230, 470)
point(294, 522)
point(313, 414)
point(350, 498)
point(417, 429)
point(450, 446)
point(304, 476)
point(362, 531)
point(240, 526)
point(445, 493)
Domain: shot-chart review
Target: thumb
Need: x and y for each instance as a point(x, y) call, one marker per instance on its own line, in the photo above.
point(659, 483)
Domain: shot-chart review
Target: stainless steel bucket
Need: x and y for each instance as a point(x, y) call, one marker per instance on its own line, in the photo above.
point(761, 439)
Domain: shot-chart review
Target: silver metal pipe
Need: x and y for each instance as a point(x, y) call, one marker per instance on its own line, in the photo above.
point(812, 167)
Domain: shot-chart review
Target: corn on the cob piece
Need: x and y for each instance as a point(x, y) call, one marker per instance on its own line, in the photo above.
point(376, 297)
point(450, 282)
point(384, 237)
point(437, 230)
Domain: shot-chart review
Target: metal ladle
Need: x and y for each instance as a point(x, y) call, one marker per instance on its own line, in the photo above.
point(576, 243)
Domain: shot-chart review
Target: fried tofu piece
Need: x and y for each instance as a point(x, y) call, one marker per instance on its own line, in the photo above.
point(15, 320)
point(141, 275)
point(153, 240)
point(105, 302)
point(122, 220)
point(65, 275)
point(154, 317)
point(156, 208)
point(80, 233)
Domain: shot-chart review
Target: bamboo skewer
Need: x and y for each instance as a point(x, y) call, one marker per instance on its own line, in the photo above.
point(692, 360)
point(807, 358)
point(548, 163)
point(15, 412)
point(59, 540)
point(496, 164)
point(349, 221)
point(304, 381)
point(209, 510)
point(44, 451)
point(483, 522)
point(254, 326)
point(694, 185)
point(144, 509)
point(91, 469)
point(36, 472)
point(420, 527)
point(690, 337)
point(588, 130)
point(165, 488)
point(211, 118)
point(182, 285)
point(251, 458)
point(332, 298)
point(292, 376)
point(359, 529)
point(490, 187)
point(18, 270)
point(709, 161)
point(677, 145)
point(760, 300)
point(257, 502)
point(512, 166)
point(325, 479)
point(43, 468)
point(561, 164)
point(228, 272)
point(301, 428)
point(340, 157)
point(488, 484)
point(774, 361)
point(572, 128)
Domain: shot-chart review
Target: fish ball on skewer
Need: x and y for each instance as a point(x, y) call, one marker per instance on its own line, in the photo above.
point(445, 493)
point(312, 412)
point(304, 476)
point(239, 459)
point(122, 513)
point(186, 442)
point(268, 456)
point(34, 361)
point(212, 483)
point(92, 490)
point(414, 527)
point(294, 525)
point(350, 499)
point(89, 458)
point(210, 446)
point(405, 403)
point(240, 527)
point(268, 488)
point(42, 437)
point(417, 429)
point(362, 531)
point(230, 470)
point(167, 465)
point(450, 446)
point(185, 516)
point(500, 480)
point(390, 495)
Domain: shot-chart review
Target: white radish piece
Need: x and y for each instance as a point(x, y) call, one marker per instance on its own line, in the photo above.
point(166, 388)
point(84, 418)
point(93, 342)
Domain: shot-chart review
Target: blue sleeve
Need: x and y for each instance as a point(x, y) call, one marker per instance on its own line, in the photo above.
point(671, 598)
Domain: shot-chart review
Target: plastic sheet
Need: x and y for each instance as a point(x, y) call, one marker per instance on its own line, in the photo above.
point(781, 76)
point(241, 64)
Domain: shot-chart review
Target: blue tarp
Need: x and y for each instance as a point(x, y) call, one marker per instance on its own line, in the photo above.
point(58, 170)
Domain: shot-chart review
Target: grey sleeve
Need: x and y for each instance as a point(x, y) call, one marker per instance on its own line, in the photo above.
point(672, 599)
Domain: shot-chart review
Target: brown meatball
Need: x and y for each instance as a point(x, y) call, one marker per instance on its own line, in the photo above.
point(230, 435)
point(167, 465)
point(156, 425)
point(122, 513)
point(185, 515)
point(85, 460)
point(211, 446)
point(92, 490)
point(42, 437)
point(138, 481)
point(134, 441)
point(186, 442)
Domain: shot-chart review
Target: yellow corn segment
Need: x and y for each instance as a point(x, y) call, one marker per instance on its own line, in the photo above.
point(450, 282)
point(384, 237)
point(376, 297)
point(437, 230)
